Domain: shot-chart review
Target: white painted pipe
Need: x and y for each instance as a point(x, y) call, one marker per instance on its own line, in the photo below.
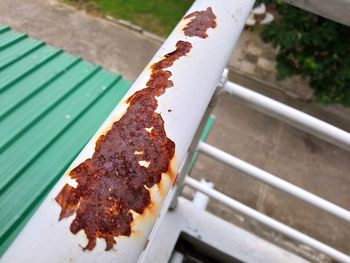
point(201, 200)
point(284, 229)
point(291, 116)
point(197, 54)
point(274, 181)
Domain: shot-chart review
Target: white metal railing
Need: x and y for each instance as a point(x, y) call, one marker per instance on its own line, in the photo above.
point(274, 181)
point(290, 115)
point(297, 119)
point(201, 42)
point(181, 118)
point(286, 230)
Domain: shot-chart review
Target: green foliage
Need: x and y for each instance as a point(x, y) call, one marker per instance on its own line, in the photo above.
point(313, 47)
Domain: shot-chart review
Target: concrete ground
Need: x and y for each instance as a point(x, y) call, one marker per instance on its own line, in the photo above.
point(96, 40)
point(269, 144)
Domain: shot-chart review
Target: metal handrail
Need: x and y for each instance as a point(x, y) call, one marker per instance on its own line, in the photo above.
point(162, 101)
point(284, 229)
point(274, 181)
point(290, 115)
point(299, 120)
point(209, 53)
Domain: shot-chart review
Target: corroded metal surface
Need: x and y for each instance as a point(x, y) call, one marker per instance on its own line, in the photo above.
point(201, 21)
point(119, 185)
point(129, 159)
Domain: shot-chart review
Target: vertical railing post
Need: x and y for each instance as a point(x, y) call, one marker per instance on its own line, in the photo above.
point(194, 144)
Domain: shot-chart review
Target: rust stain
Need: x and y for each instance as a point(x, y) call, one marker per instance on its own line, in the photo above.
point(163, 187)
point(200, 23)
point(146, 244)
point(129, 159)
point(149, 212)
point(175, 181)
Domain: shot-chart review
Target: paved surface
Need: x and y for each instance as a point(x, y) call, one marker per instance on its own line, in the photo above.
point(96, 40)
point(280, 149)
point(253, 57)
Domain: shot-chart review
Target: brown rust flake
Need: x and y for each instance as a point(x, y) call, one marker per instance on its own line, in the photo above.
point(128, 160)
point(200, 23)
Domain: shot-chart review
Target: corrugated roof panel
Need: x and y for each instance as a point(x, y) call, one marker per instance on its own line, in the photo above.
point(23, 89)
point(8, 38)
point(18, 51)
point(4, 28)
point(51, 103)
point(26, 65)
point(30, 111)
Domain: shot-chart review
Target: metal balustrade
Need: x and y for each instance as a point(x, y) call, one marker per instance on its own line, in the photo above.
point(299, 120)
point(274, 181)
point(185, 72)
point(194, 78)
point(274, 224)
point(290, 115)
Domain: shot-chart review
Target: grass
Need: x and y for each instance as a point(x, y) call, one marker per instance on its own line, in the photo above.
point(156, 16)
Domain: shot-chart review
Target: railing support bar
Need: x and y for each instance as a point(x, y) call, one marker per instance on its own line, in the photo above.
point(274, 181)
point(193, 147)
point(290, 115)
point(284, 229)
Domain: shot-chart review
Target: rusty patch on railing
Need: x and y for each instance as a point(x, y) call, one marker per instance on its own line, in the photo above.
point(200, 23)
point(128, 160)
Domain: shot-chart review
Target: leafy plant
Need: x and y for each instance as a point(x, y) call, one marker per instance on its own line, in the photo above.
point(313, 47)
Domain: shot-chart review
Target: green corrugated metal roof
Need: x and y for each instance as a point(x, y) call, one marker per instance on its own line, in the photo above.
point(51, 103)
